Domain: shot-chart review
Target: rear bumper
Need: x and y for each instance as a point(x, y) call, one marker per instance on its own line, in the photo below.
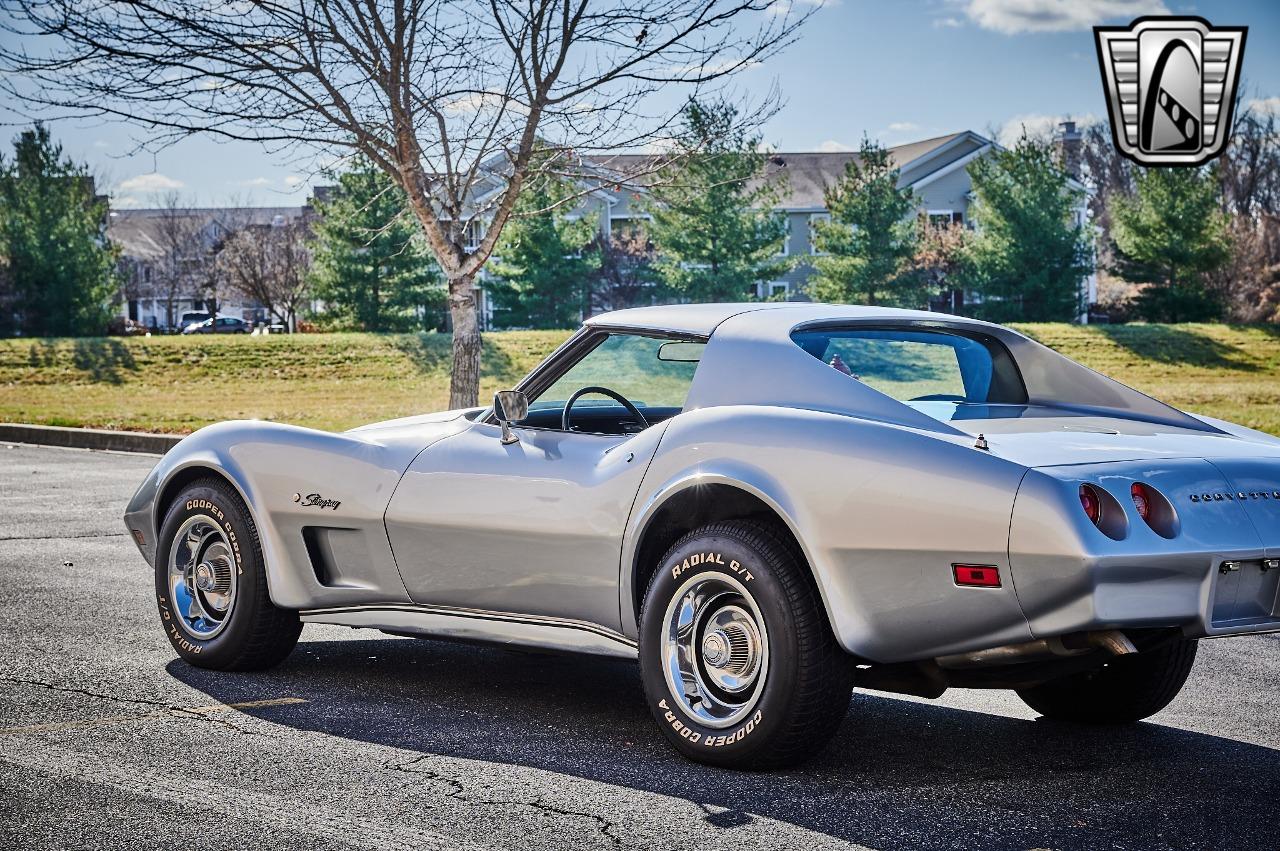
point(1202, 595)
point(1218, 574)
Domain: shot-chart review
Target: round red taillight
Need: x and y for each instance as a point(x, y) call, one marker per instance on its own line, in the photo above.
point(1090, 502)
point(1141, 500)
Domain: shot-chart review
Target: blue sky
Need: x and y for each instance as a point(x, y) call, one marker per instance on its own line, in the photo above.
point(896, 70)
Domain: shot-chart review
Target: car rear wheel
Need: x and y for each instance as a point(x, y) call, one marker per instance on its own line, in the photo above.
point(739, 664)
point(1126, 689)
point(211, 584)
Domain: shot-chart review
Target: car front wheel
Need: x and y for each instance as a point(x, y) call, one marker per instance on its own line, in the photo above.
point(211, 584)
point(739, 664)
point(1126, 689)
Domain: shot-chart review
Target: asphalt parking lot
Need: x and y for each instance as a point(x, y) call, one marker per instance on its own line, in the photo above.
point(366, 741)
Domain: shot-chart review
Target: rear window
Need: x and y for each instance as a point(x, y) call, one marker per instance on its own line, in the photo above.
point(914, 365)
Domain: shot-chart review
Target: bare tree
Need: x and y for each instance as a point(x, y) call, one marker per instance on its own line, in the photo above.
point(450, 98)
point(940, 255)
point(180, 257)
point(1250, 175)
point(268, 263)
point(626, 277)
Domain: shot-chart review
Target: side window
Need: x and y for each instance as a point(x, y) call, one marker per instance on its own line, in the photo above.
point(653, 373)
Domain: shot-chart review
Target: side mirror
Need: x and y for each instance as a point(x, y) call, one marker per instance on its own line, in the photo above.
point(510, 406)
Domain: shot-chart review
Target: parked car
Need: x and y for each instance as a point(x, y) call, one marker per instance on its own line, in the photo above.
point(192, 317)
point(220, 325)
point(765, 504)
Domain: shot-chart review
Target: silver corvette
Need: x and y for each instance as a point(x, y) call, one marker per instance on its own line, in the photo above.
point(766, 504)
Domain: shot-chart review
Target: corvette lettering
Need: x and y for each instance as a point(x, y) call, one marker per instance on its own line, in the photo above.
point(1238, 496)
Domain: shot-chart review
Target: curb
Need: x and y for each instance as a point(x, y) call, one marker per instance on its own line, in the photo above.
point(89, 438)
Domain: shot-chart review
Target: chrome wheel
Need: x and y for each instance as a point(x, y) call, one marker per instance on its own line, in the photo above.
point(715, 649)
point(202, 577)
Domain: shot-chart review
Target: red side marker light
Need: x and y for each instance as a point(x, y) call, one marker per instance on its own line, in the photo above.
point(976, 575)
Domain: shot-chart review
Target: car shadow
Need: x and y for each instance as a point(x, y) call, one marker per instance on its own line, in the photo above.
point(899, 774)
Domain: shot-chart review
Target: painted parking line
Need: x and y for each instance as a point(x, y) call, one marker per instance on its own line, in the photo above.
point(175, 712)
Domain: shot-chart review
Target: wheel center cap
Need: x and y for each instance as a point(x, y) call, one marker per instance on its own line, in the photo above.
point(715, 649)
point(213, 575)
point(205, 579)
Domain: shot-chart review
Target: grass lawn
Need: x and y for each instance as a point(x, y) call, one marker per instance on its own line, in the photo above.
point(336, 381)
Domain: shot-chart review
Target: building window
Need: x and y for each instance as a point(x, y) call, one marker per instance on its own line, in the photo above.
point(814, 218)
point(776, 290)
point(786, 234)
point(945, 218)
point(474, 235)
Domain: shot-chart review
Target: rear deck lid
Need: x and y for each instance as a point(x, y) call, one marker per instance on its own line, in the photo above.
point(1045, 436)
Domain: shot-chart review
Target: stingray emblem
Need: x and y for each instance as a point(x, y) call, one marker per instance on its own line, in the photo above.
point(1170, 85)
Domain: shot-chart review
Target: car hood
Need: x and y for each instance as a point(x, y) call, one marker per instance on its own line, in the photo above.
point(413, 427)
point(1043, 436)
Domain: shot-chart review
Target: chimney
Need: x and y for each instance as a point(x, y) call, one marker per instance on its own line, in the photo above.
point(1070, 141)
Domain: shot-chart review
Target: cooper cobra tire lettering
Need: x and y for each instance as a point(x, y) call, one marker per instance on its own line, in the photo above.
point(253, 633)
point(741, 577)
point(742, 732)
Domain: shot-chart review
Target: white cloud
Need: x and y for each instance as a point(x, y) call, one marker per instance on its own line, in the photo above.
point(902, 127)
point(831, 146)
point(153, 182)
point(715, 68)
point(292, 180)
point(488, 101)
point(1019, 16)
point(1266, 106)
point(1038, 126)
point(782, 7)
point(256, 181)
point(948, 22)
point(101, 143)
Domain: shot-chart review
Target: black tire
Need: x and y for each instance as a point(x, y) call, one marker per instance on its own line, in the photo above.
point(1125, 690)
point(257, 634)
point(807, 679)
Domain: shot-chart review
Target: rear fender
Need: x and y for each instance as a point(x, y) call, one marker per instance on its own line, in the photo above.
point(878, 510)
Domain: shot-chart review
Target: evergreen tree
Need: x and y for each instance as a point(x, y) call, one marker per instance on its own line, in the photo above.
point(868, 245)
point(713, 224)
point(1030, 254)
point(544, 260)
point(61, 268)
point(369, 264)
point(1168, 235)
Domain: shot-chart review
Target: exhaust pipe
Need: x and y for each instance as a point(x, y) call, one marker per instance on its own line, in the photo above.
point(1073, 644)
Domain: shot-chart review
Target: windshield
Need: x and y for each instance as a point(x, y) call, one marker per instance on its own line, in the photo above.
point(920, 366)
point(652, 373)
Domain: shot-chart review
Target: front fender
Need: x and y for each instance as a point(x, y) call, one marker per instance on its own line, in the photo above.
point(268, 464)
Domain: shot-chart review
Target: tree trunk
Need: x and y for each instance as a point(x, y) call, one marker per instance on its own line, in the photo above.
point(464, 383)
